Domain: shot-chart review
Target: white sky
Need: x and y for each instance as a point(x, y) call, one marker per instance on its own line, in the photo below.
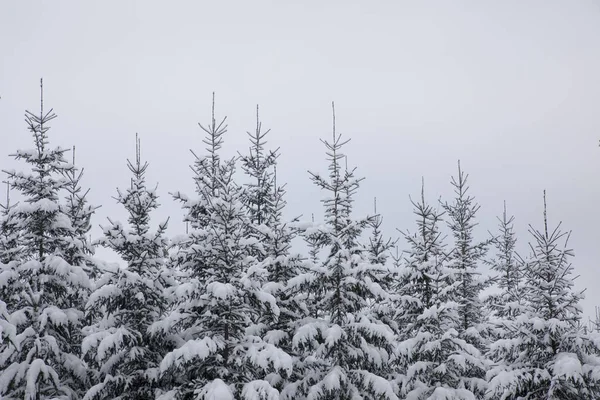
point(511, 88)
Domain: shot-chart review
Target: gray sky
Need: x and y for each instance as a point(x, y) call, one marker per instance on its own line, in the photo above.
point(511, 88)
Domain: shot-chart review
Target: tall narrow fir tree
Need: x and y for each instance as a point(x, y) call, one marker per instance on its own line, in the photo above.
point(42, 361)
point(128, 301)
point(347, 349)
point(222, 294)
point(545, 354)
point(433, 361)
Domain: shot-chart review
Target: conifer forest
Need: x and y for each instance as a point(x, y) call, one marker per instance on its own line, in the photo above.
point(231, 309)
point(243, 285)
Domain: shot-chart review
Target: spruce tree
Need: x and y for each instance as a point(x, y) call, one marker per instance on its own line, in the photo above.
point(221, 295)
point(303, 285)
point(8, 331)
point(43, 290)
point(379, 251)
point(79, 250)
point(128, 301)
point(378, 247)
point(545, 354)
point(80, 212)
point(347, 351)
point(265, 200)
point(467, 256)
point(10, 234)
point(259, 166)
point(433, 360)
point(509, 270)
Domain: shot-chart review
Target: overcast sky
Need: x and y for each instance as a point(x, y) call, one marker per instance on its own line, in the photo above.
point(510, 88)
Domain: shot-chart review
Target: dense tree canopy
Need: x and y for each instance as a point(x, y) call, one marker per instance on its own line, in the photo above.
point(250, 303)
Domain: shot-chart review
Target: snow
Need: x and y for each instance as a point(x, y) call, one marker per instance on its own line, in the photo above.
point(112, 340)
point(268, 298)
point(41, 205)
point(259, 390)
point(331, 383)
point(92, 340)
point(192, 349)
point(441, 393)
point(307, 333)
point(36, 368)
point(267, 355)
point(7, 276)
point(221, 290)
point(215, 390)
point(170, 395)
point(103, 292)
point(568, 366)
point(382, 387)
point(333, 335)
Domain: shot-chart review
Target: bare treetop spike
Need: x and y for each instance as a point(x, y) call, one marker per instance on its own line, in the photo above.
point(545, 216)
point(41, 98)
point(333, 111)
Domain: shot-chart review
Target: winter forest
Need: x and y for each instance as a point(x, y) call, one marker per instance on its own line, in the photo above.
point(248, 304)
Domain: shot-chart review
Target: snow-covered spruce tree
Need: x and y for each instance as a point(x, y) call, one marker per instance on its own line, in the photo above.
point(266, 203)
point(433, 360)
point(307, 293)
point(8, 331)
point(79, 250)
point(466, 257)
point(80, 211)
point(278, 325)
point(222, 294)
point(378, 247)
point(347, 351)
point(545, 354)
point(509, 269)
point(379, 252)
point(128, 301)
point(42, 361)
point(259, 166)
point(10, 243)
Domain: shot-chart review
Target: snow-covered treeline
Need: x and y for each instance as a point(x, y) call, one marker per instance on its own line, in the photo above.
point(231, 309)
